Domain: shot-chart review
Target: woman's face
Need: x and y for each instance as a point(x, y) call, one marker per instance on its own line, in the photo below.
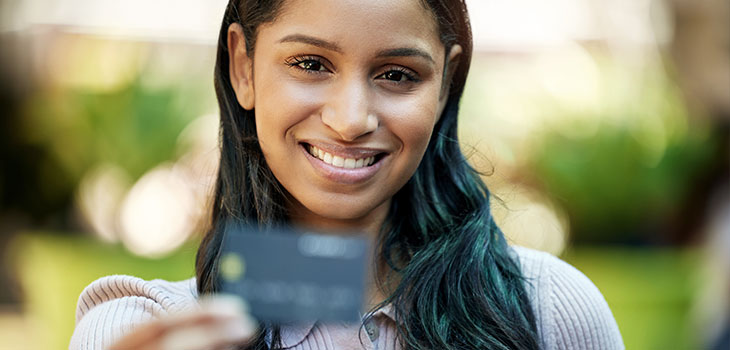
point(346, 94)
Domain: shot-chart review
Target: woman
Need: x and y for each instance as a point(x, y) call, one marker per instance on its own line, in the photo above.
point(340, 115)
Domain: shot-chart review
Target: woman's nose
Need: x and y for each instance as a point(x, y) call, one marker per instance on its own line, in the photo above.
point(348, 112)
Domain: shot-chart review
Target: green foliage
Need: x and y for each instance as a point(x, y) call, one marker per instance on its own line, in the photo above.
point(628, 174)
point(650, 292)
point(135, 126)
point(611, 193)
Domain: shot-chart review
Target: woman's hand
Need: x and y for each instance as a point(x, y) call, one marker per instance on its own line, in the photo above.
point(220, 321)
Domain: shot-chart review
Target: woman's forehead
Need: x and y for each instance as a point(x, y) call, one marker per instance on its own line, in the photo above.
point(352, 23)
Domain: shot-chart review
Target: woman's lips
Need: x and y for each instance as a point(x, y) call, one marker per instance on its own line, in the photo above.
point(340, 161)
point(347, 166)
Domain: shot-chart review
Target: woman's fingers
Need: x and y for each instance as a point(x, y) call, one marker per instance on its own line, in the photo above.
point(221, 320)
point(225, 321)
point(206, 336)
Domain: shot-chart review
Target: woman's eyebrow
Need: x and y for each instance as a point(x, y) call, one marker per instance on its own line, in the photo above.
point(406, 52)
point(306, 39)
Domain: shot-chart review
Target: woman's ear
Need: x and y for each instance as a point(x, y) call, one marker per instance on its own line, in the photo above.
point(452, 62)
point(240, 67)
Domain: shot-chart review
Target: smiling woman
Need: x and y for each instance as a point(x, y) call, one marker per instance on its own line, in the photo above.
point(343, 89)
point(340, 116)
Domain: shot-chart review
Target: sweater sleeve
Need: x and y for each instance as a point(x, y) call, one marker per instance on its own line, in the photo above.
point(570, 310)
point(112, 306)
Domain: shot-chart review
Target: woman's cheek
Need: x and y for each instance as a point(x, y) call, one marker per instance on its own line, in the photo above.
point(412, 121)
point(289, 99)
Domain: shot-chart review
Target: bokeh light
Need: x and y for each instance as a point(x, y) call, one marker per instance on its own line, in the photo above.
point(156, 215)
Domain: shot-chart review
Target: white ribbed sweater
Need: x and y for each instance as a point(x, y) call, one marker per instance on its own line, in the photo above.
point(571, 313)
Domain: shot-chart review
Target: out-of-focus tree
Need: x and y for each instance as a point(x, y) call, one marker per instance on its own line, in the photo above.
point(701, 52)
point(629, 181)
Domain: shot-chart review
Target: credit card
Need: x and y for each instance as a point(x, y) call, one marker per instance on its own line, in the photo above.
point(291, 276)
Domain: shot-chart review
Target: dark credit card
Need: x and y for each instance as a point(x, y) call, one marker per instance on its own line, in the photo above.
point(289, 276)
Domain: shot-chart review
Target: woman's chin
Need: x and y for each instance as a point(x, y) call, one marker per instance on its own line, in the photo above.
point(348, 215)
point(341, 212)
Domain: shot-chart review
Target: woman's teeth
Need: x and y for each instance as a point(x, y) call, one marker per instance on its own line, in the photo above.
point(337, 161)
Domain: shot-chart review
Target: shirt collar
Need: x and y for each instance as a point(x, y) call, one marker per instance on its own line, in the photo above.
point(294, 334)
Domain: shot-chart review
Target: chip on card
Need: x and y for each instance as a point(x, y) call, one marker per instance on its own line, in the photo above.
point(291, 276)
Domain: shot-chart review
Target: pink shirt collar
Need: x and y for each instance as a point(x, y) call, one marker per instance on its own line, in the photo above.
point(292, 336)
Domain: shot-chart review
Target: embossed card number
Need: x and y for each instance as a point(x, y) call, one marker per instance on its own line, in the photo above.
point(287, 276)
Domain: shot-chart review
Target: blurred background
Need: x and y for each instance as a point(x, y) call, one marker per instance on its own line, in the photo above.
point(602, 127)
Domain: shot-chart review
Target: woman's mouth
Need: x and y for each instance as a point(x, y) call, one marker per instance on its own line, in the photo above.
point(344, 165)
point(338, 161)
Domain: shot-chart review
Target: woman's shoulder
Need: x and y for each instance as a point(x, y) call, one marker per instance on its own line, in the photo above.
point(111, 306)
point(160, 296)
point(571, 312)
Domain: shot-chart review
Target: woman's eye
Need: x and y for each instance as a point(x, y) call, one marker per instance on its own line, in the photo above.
point(310, 65)
point(307, 64)
point(394, 75)
point(398, 76)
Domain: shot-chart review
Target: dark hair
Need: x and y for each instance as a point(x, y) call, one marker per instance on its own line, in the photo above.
point(457, 285)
